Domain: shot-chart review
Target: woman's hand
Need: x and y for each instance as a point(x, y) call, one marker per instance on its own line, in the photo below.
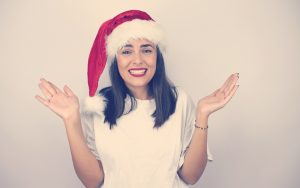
point(219, 98)
point(64, 103)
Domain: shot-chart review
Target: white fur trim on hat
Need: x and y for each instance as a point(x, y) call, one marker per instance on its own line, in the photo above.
point(95, 104)
point(135, 29)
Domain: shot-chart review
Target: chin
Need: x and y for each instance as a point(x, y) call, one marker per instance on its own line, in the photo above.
point(137, 84)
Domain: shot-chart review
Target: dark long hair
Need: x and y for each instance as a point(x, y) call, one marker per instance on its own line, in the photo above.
point(160, 88)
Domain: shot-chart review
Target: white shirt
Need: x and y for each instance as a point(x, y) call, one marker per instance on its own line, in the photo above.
point(133, 153)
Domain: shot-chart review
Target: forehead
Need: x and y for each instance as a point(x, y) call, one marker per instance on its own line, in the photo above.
point(139, 43)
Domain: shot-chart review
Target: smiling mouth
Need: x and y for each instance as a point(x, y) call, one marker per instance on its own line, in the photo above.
point(137, 72)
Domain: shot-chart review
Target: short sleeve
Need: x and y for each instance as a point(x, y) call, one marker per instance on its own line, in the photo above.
point(87, 121)
point(90, 108)
point(189, 111)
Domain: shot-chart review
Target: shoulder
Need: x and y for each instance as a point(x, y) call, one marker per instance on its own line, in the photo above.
point(183, 96)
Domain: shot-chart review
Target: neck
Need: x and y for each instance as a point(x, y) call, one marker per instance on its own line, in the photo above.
point(140, 92)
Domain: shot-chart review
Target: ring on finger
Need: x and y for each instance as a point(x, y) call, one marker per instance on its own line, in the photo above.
point(50, 96)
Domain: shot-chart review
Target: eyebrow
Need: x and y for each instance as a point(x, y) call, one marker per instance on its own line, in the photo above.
point(146, 45)
point(142, 46)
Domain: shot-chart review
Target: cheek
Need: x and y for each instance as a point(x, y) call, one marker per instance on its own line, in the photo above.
point(122, 66)
point(123, 72)
point(153, 64)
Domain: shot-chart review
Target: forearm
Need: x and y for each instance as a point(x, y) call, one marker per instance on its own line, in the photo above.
point(85, 164)
point(196, 156)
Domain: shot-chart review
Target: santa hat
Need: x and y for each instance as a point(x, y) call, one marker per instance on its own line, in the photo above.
point(114, 34)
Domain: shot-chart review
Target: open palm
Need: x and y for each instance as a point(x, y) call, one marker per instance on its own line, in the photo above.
point(220, 97)
point(64, 103)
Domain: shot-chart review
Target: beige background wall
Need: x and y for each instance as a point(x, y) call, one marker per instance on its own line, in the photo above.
point(254, 139)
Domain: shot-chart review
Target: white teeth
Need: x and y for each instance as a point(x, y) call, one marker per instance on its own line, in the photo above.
point(137, 71)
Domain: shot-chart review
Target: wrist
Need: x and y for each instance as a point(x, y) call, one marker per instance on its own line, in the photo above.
point(72, 119)
point(201, 122)
point(202, 127)
point(202, 119)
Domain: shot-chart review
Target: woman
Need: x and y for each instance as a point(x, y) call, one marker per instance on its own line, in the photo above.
point(142, 131)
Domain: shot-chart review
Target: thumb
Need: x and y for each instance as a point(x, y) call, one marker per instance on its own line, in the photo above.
point(215, 92)
point(68, 91)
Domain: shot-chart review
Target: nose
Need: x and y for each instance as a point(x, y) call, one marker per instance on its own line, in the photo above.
point(137, 58)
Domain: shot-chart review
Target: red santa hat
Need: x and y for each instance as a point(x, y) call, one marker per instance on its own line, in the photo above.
point(114, 34)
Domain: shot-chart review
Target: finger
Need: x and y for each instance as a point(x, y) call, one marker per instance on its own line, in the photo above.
point(228, 98)
point(43, 101)
point(232, 77)
point(215, 92)
point(48, 87)
point(228, 81)
point(229, 88)
point(55, 87)
point(68, 91)
point(45, 92)
point(223, 86)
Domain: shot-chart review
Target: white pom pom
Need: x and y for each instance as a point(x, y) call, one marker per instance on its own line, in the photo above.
point(95, 104)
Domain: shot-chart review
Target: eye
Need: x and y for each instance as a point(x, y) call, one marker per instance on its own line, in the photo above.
point(126, 52)
point(147, 51)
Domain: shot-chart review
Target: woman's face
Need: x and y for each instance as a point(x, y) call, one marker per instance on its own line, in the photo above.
point(137, 63)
